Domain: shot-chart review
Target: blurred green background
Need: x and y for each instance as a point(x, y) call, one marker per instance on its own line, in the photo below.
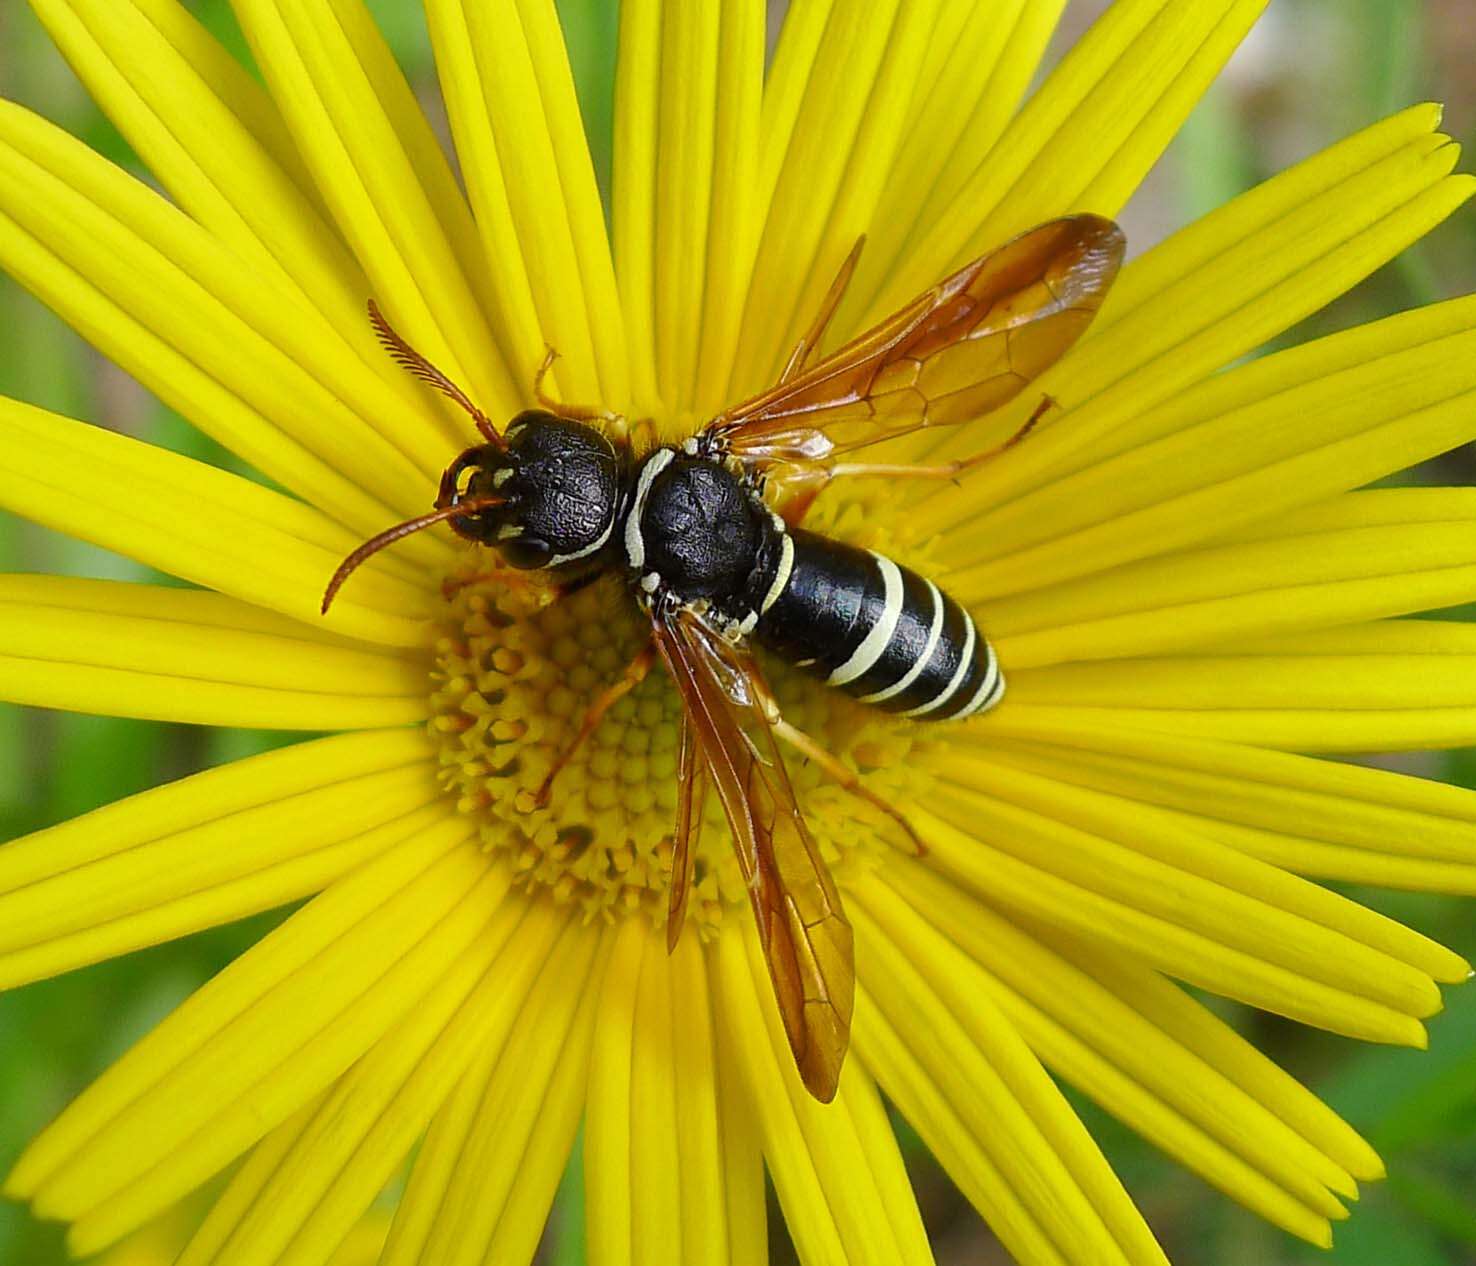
point(1313, 71)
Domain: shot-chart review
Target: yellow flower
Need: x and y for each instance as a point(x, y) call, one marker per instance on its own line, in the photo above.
point(1183, 585)
point(162, 1240)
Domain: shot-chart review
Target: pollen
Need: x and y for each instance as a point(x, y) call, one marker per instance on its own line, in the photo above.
point(517, 666)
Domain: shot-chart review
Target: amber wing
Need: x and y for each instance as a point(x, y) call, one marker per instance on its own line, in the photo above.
point(691, 800)
point(802, 928)
point(958, 351)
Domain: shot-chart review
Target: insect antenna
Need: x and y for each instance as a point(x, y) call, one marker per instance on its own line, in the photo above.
point(407, 357)
point(401, 530)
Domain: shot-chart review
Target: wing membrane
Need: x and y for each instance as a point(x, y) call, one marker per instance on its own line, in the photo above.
point(956, 352)
point(802, 928)
point(691, 800)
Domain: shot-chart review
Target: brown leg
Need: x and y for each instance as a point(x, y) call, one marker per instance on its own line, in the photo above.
point(642, 434)
point(797, 487)
point(806, 347)
point(808, 748)
point(549, 591)
point(635, 673)
point(508, 576)
point(811, 750)
point(574, 412)
point(945, 470)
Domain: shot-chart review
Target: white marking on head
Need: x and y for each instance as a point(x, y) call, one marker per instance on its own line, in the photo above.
point(508, 531)
point(558, 560)
point(650, 582)
point(502, 476)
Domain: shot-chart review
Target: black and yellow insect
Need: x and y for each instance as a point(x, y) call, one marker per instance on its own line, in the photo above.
point(708, 537)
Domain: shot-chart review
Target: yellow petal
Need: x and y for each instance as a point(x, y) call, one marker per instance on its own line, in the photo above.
point(483, 1181)
point(688, 93)
point(609, 1202)
point(744, 1193)
point(980, 63)
point(652, 1152)
point(637, 130)
point(836, 1167)
point(1047, 1169)
point(213, 138)
point(244, 359)
point(1374, 698)
point(1184, 878)
point(1223, 286)
point(1397, 639)
point(685, 195)
point(254, 1099)
point(936, 1119)
point(1085, 139)
point(1271, 436)
point(381, 171)
point(836, 161)
point(203, 525)
point(212, 848)
point(185, 655)
point(1098, 1041)
point(737, 213)
point(1297, 812)
point(354, 1143)
point(251, 1176)
point(516, 118)
point(213, 1077)
point(1354, 557)
point(1185, 926)
point(1034, 782)
point(784, 89)
point(1305, 729)
point(208, 60)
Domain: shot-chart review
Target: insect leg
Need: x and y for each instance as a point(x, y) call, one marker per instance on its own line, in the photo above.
point(846, 778)
point(549, 591)
point(635, 673)
point(573, 412)
point(944, 470)
point(806, 347)
point(508, 576)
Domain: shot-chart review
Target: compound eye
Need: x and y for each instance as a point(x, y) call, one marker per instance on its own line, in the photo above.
point(524, 552)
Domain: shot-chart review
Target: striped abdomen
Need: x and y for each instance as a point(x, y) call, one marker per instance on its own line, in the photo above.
point(878, 631)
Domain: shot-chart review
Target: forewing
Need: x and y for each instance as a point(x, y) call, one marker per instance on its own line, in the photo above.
point(802, 928)
point(956, 352)
point(691, 800)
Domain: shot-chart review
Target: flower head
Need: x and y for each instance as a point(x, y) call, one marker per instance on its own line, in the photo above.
point(1179, 571)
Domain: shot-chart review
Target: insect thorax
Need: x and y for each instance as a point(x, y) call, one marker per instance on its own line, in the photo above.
point(697, 532)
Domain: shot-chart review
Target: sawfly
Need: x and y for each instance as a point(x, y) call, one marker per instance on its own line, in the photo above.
point(707, 534)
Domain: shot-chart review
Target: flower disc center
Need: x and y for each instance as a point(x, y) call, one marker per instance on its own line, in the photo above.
point(515, 674)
